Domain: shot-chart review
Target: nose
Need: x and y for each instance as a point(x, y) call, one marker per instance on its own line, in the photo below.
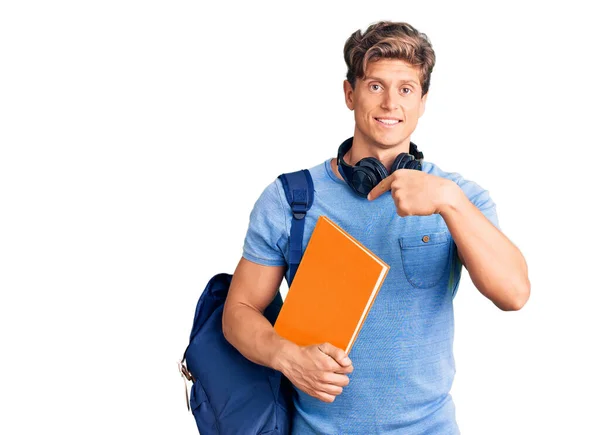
point(391, 100)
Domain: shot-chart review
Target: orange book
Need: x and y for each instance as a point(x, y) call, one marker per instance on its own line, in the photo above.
point(333, 290)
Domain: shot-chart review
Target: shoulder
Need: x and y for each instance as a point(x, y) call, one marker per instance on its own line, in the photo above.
point(318, 176)
point(471, 189)
point(433, 169)
point(272, 194)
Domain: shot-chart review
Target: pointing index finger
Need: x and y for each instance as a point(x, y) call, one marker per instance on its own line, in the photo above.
point(381, 188)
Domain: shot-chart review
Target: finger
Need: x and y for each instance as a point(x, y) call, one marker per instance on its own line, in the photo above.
point(337, 379)
point(345, 370)
point(382, 187)
point(336, 353)
point(325, 397)
point(334, 390)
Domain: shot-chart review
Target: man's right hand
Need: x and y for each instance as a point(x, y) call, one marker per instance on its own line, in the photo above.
point(319, 370)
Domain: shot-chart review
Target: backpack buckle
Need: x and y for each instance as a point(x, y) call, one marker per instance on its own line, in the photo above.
point(185, 372)
point(299, 203)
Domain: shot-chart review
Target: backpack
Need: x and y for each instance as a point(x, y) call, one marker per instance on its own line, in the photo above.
point(230, 394)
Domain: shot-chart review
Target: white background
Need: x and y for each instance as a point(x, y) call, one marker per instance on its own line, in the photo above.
point(137, 135)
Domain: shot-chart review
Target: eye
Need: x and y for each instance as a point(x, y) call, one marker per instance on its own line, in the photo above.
point(372, 87)
point(408, 89)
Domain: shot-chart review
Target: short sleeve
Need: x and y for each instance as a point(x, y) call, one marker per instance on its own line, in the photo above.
point(481, 199)
point(266, 229)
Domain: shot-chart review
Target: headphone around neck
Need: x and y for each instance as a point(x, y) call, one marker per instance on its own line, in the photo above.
point(369, 172)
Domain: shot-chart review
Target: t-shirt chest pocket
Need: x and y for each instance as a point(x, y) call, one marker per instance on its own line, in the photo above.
point(425, 257)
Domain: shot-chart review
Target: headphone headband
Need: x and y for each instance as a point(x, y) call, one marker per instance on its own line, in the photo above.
point(369, 171)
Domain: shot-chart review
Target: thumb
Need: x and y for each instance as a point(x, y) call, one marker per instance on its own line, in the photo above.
point(336, 353)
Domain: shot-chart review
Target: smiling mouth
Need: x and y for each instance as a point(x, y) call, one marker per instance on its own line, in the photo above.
point(388, 122)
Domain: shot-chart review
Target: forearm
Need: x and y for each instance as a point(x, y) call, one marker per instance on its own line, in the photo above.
point(496, 266)
point(253, 336)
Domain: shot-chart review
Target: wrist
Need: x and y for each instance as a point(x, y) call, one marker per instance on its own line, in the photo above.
point(283, 355)
point(450, 197)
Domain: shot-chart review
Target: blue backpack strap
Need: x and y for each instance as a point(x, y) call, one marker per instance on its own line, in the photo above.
point(299, 192)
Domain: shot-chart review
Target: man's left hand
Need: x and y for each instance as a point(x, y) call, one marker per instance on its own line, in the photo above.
point(416, 193)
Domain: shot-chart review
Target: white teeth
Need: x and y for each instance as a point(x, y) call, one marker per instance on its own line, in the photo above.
point(388, 121)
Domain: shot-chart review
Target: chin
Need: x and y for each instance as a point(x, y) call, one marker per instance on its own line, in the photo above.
point(389, 142)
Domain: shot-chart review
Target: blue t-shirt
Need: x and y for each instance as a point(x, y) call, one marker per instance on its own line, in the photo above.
point(402, 357)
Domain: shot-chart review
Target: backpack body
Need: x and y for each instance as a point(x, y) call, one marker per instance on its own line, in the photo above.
point(230, 394)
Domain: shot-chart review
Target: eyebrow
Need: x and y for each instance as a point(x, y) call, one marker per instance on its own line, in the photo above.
point(381, 80)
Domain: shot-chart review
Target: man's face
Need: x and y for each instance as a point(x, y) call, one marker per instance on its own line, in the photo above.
point(387, 103)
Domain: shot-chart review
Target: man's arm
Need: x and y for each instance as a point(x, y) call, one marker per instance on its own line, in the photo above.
point(252, 289)
point(496, 266)
point(319, 370)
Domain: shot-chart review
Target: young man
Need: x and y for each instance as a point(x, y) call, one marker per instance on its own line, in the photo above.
point(425, 224)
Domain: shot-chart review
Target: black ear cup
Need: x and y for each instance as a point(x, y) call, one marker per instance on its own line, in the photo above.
point(401, 161)
point(367, 174)
point(376, 165)
point(414, 164)
point(405, 161)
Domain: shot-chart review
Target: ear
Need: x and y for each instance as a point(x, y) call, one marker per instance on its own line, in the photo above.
point(349, 95)
point(422, 103)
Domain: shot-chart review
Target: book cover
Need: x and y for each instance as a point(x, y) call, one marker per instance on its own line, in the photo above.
point(333, 290)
